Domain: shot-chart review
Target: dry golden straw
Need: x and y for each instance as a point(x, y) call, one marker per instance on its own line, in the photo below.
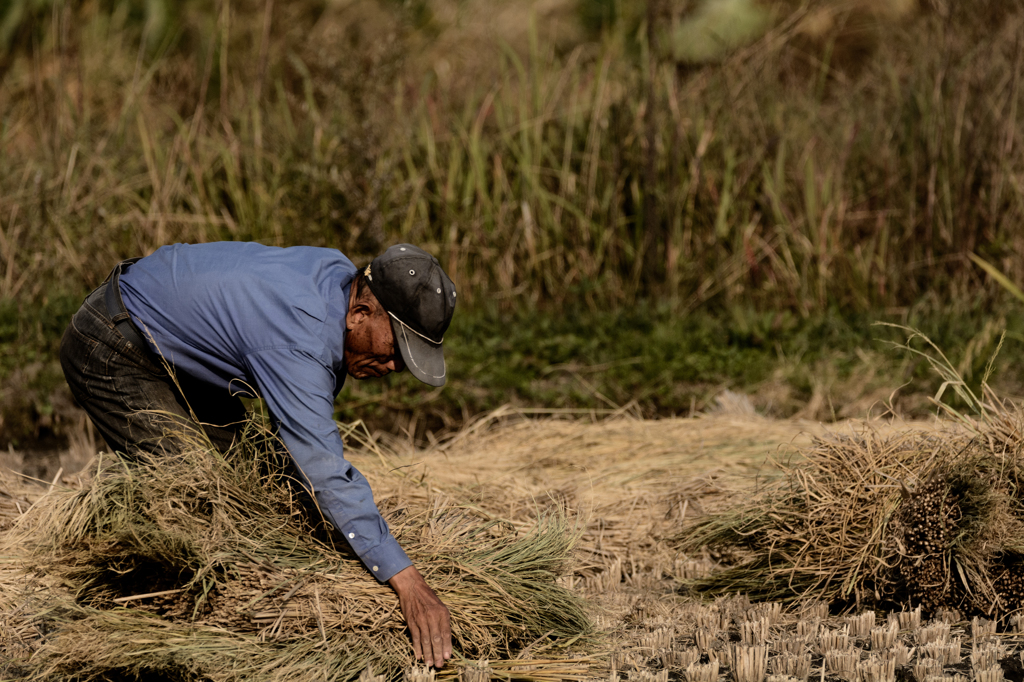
point(933, 517)
point(209, 564)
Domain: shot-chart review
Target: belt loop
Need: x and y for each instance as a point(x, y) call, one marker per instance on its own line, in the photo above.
point(115, 306)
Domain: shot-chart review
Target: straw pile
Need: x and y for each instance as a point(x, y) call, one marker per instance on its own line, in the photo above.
point(208, 568)
point(617, 486)
point(633, 482)
point(930, 518)
point(203, 566)
point(16, 496)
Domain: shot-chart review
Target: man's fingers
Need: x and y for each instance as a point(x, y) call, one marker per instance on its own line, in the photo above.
point(438, 647)
point(414, 630)
point(441, 636)
point(446, 638)
point(434, 635)
point(430, 640)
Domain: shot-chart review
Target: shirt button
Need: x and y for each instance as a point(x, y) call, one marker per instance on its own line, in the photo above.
point(351, 535)
point(376, 568)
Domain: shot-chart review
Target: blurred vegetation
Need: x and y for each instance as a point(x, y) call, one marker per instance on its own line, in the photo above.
point(629, 214)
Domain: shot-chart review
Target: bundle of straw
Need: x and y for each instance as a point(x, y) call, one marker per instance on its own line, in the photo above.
point(933, 518)
point(203, 565)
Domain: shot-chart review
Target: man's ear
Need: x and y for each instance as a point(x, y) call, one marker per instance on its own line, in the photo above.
point(359, 313)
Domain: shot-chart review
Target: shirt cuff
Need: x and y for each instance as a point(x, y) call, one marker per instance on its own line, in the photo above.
point(386, 559)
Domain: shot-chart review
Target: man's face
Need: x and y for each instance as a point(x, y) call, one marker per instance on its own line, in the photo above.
point(370, 349)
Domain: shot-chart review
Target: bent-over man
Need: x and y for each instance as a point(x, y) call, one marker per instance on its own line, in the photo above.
point(291, 323)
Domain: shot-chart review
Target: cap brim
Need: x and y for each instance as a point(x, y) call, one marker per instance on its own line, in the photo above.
point(425, 360)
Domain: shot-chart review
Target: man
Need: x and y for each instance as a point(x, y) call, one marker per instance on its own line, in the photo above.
point(288, 324)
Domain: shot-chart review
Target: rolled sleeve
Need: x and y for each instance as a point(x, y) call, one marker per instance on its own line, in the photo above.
point(298, 390)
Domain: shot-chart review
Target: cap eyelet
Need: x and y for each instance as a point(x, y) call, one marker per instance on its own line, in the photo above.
point(439, 290)
point(412, 272)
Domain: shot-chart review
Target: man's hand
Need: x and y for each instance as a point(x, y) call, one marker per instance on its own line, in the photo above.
point(428, 619)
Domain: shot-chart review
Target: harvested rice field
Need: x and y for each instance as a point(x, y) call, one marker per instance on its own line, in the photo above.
point(719, 547)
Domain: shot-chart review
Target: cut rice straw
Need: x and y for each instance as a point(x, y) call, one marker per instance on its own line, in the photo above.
point(209, 564)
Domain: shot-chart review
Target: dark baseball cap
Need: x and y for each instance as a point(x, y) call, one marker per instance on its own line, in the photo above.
point(420, 300)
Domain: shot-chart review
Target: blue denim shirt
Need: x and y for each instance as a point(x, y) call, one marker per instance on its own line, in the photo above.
point(252, 319)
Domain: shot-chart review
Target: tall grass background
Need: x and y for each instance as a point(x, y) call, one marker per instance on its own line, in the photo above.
point(841, 162)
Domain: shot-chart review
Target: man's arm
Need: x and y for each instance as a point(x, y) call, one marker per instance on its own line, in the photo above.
point(298, 391)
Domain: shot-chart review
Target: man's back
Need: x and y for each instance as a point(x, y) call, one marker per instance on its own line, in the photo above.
point(205, 307)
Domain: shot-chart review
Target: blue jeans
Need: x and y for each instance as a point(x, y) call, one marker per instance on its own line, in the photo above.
point(129, 394)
